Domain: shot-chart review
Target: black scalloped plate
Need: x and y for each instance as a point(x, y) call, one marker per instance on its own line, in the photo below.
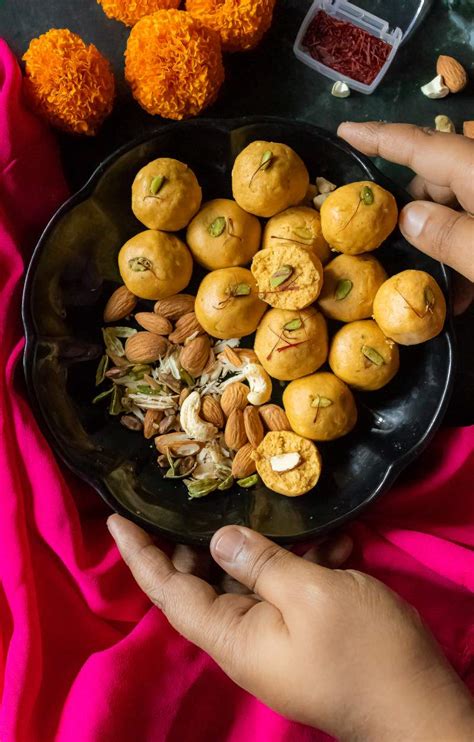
point(72, 273)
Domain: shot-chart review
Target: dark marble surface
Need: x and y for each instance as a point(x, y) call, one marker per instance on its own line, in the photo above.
point(272, 81)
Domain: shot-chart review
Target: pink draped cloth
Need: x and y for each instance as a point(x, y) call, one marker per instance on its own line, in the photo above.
point(83, 654)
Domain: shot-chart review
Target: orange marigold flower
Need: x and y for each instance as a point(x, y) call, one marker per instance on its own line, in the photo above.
point(69, 82)
point(240, 23)
point(130, 11)
point(173, 64)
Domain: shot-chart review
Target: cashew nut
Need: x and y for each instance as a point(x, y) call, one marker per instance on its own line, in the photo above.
point(435, 88)
point(259, 382)
point(190, 421)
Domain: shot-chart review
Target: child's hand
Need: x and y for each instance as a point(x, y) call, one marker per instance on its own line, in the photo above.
point(333, 649)
point(444, 167)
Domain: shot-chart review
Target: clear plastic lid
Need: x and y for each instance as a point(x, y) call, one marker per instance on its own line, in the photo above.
point(406, 15)
point(393, 23)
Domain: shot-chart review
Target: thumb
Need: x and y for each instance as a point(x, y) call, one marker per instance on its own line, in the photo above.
point(268, 570)
point(444, 234)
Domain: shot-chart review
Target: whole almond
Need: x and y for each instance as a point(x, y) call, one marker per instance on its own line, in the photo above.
point(274, 417)
point(194, 355)
point(154, 323)
point(234, 434)
point(151, 422)
point(175, 306)
point(253, 425)
point(452, 72)
point(468, 129)
point(243, 464)
point(234, 397)
point(120, 304)
point(211, 411)
point(145, 347)
point(186, 326)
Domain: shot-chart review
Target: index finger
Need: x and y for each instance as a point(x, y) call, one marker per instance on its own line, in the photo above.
point(191, 605)
point(443, 159)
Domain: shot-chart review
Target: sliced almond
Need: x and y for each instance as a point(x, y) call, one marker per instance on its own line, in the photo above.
point(170, 440)
point(232, 356)
point(186, 449)
point(285, 461)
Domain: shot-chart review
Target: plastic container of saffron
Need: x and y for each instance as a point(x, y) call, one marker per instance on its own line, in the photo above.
point(347, 43)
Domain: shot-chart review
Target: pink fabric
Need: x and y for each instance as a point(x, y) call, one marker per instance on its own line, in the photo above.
point(83, 655)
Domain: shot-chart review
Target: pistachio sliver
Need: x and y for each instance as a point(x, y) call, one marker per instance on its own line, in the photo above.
point(429, 298)
point(112, 343)
point(140, 264)
point(217, 227)
point(293, 324)
point(247, 482)
point(186, 377)
point(102, 395)
point(116, 406)
point(303, 233)
point(226, 483)
point(101, 370)
point(201, 487)
point(157, 184)
point(372, 355)
point(367, 195)
point(343, 289)
point(241, 289)
point(266, 160)
point(320, 401)
point(281, 275)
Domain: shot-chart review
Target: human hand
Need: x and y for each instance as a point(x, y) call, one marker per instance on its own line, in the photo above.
point(444, 167)
point(330, 648)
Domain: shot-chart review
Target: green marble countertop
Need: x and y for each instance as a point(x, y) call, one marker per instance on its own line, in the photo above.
point(271, 81)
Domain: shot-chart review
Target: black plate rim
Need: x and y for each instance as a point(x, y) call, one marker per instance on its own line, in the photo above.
point(87, 190)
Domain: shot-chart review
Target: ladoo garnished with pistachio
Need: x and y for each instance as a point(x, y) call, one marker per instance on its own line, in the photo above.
point(154, 265)
point(165, 195)
point(227, 303)
point(358, 217)
point(268, 177)
point(223, 235)
point(410, 307)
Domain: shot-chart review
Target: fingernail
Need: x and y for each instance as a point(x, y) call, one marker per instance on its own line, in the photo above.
point(413, 219)
point(228, 544)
